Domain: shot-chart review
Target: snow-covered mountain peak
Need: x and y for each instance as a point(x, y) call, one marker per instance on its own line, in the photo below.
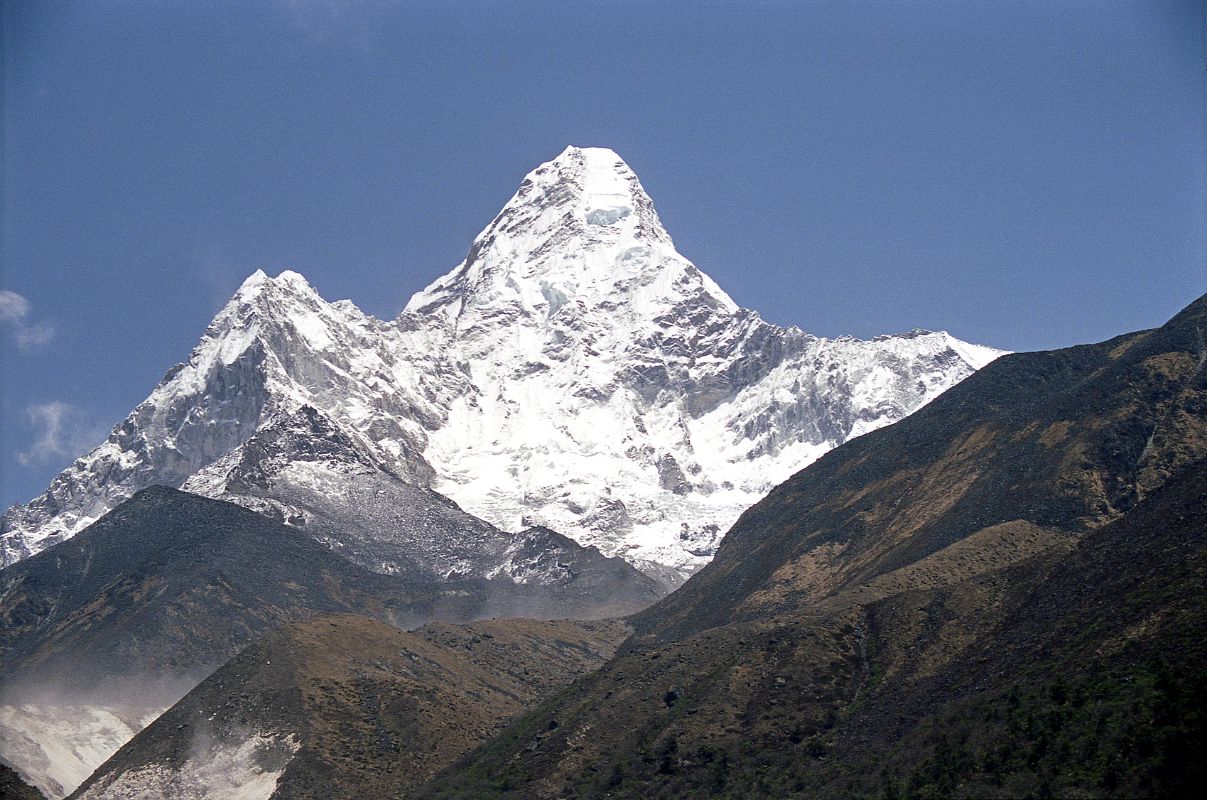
point(579, 236)
point(589, 191)
point(621, 391)
point(574, 371)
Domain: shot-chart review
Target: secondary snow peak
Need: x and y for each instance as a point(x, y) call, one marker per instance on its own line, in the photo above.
point(259, 285)
point(253, 280)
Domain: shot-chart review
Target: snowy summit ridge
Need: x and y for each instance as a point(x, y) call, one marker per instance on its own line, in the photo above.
point(574, 372)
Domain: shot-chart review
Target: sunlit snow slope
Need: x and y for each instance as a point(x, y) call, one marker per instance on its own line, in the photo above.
point(573, 372)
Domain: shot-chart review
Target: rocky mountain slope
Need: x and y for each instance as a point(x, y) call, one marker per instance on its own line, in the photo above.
point(13, 788)
point(574, 372)
point(1003, 595)
point(102, 632)
point(348, 707)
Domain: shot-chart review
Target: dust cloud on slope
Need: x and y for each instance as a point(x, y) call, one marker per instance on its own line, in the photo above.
point(55, 737)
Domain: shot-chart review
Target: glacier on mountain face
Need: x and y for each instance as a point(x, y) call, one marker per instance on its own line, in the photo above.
point(574, 372)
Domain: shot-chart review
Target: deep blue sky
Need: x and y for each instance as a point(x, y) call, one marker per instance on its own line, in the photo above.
point(1027, 175)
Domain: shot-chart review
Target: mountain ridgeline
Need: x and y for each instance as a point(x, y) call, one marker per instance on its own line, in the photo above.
point(575, 373)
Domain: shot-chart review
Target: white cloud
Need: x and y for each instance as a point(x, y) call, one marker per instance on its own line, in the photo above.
point(35, 335)
point(14, 314)
point(61, 431)
point(13, 307)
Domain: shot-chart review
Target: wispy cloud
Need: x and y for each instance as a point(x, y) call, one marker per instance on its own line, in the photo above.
point(323, 19)
point(61, 431)
point(15, 316)
point(35, 335)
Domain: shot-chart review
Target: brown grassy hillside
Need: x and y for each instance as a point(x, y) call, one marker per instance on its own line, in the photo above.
point(371, 709)
point(1000, 596)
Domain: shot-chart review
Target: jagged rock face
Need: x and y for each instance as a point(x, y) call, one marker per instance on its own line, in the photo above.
point(573, 372)
point(301, 469)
